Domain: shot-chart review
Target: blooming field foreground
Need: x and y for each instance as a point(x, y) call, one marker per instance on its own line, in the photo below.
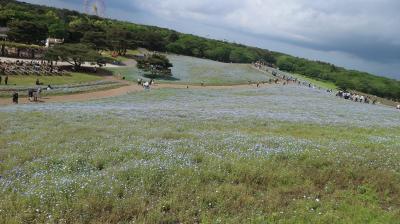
point(279, 154)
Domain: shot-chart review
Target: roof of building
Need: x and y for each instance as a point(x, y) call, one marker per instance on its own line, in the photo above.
point(4, 30)
point(55, 40)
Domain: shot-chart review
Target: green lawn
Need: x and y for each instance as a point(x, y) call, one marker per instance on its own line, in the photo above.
point(190, 70)
point(322, 84)
point(72, 78)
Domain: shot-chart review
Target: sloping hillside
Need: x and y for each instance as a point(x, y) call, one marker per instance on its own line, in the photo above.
point(75, 27)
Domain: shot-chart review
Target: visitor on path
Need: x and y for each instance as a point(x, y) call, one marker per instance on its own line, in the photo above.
point(30, 94)
point(6, 80)
point(362, 99)
point(35, 96)
point(38, 91)
point(146, 86)
point(15, 98)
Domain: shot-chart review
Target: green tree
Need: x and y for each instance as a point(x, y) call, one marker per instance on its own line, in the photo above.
point(121, 40)
point(96, 39)
point(57, 30)
point(173, 37)
point(27, 32)
point(74, 54)
point(157, 65)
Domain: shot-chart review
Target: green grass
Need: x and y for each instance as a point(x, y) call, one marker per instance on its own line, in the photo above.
point(190, 70)
point(195, 70)
point(72, 78)
point(134, 52)
point(322, 84)
point(128, 56)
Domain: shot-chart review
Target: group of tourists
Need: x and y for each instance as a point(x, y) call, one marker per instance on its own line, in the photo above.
point(146, 84)
point(355, 97)
point(33, 93)
point(259, 64)
point(286, 79)
point(29, 68)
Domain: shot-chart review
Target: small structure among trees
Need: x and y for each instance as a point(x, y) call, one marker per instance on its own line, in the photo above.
point(156, 66)
point(3, 33)
point(51, 42)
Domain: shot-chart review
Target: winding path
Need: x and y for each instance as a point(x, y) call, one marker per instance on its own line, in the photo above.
point(129, 87)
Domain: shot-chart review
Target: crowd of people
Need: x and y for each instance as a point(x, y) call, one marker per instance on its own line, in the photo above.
point(29, 68)
point(282, 78)
point(355, 97)
point(33, 93)
point(146, 84)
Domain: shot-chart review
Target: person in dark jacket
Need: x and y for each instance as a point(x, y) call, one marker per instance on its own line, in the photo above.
point(15, 97)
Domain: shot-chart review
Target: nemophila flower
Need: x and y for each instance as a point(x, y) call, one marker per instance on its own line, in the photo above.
point(295, 104)
point(139, 143)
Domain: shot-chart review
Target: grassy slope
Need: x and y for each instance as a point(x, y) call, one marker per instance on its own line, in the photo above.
point(66, 84)
point(190, 70)
point(319, 83)
point(73, 78)
point(200, 155)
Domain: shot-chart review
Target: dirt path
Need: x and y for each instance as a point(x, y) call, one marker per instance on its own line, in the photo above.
point(128, 88)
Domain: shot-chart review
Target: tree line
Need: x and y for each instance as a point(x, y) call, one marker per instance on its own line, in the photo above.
point(343, 78)
point(31, 24)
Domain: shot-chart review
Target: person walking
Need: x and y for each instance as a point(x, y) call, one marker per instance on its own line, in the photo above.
point(35, 96)
point(6, 80)
point(15, 97)
point(30, 95)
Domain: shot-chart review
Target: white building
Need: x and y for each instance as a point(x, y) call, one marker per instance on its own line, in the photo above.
point(50, 42)
point(3, 33)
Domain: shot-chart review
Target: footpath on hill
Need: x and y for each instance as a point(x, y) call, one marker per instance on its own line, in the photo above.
point(129, 87)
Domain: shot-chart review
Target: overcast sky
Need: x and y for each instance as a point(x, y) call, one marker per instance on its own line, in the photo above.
point(356, 34)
